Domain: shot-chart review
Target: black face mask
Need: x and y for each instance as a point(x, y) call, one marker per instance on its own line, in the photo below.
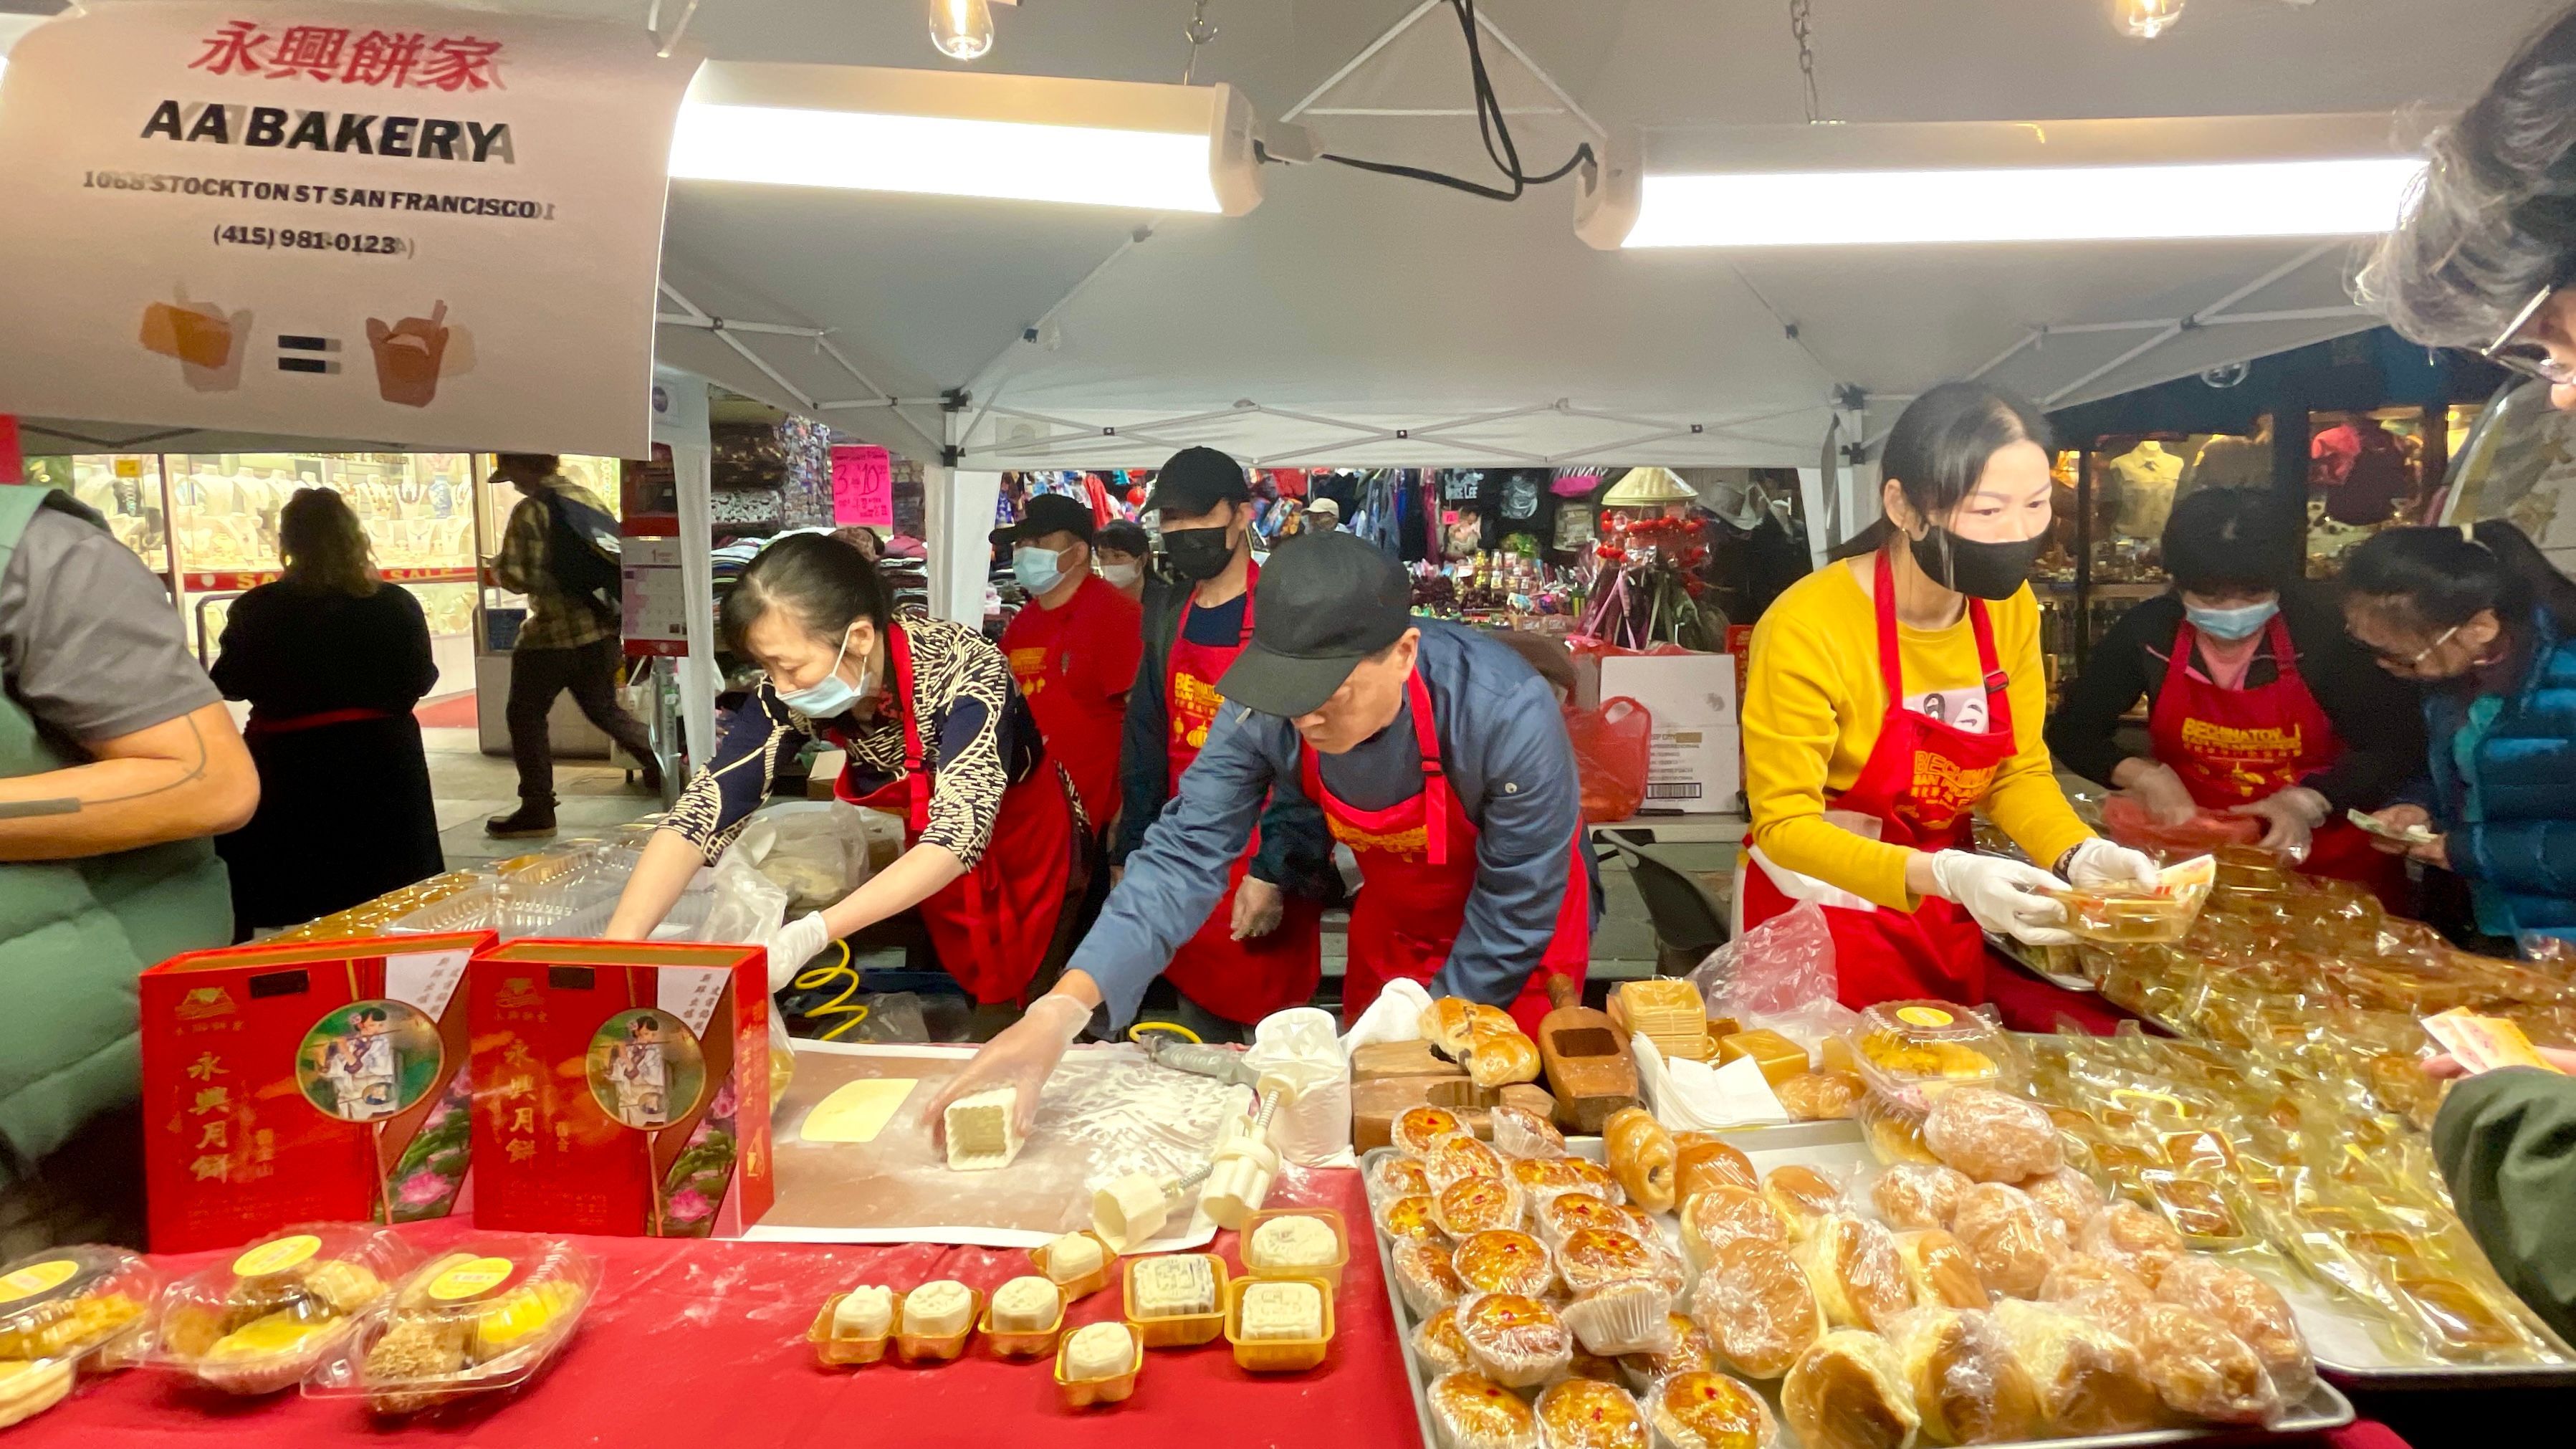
point(1986, 570)
point(1198, 554)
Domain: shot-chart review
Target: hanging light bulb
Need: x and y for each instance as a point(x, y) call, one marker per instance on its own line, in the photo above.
point(2145, 19)
point(963, 29)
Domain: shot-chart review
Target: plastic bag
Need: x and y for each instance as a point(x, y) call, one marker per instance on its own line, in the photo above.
point(748, 908)
point(2128, 823)
point(815, 850)
point(1298, 1046)
point(1781, 975)
point(1612, 752)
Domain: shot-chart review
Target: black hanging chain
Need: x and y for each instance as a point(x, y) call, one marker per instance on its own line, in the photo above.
point(1802, 29)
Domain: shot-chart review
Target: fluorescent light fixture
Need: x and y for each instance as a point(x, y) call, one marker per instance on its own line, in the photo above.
point(1023, 138)
point(2063, 194)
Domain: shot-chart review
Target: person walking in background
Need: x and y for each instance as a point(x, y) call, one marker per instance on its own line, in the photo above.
point(1072, 647)
point(568, 642)
point(332, 662)
point(1125, 557)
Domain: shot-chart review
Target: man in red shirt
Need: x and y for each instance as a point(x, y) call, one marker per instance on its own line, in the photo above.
point(1073, 648)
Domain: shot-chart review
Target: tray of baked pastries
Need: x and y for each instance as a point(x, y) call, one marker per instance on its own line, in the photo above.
point(1781, 1290)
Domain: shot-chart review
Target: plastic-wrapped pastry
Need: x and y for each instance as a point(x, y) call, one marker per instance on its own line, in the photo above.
point(1589, 1414)
point(2098, 1290)
point(1820, 1096)
point(1460, 1155)
point(1571, 1212)
point(1398, 1176)
point(1471, 1411)
point(260, 1321)
point(1847, 1391)
point(1594, 1257)
point(1758, 1307)
point(483, 1318)
point(2090, 1380)
point(1504, 1261)
point(65, 1303)
point(1690, 1350)
point(1423, 1274)
point(1858, 1277)
point(1514, 1339)
point(2251, 1309)
point(1712, 1217)
point(1597, 1181)
point(2066, 1195)
point(1704, 1409)
point(2011, 1241)
point(1992, 1136)
point(1419, 1127)
point(1701, 1162)
point(1894, 1128)
point(2134, 1238)
point(1477, 1205)
point(1918, 1194)
point(1541, 1178)
point(1589, 1365)
point(1967, 1385)
point(1520, 1132)
point(1619, 1318)
point(1499, 1055)
point(2200, 1369)
point(1802, 1196)
point(1641, 1157)
point(1439, 1344)
point(1409, 1217)
point(1942, 1272)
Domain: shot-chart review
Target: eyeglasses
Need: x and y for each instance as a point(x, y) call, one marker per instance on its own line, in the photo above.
point(2531, 359)
point(2411, 661)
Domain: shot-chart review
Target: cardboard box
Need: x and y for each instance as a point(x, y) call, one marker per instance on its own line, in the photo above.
point(326, 1081)
point(621, 1087)
point(1698, 763)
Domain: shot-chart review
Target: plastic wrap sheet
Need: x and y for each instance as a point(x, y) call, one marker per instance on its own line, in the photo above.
point(1108, 1112)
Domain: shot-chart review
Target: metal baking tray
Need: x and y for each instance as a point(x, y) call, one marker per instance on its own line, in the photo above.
point(2013, 951)
point(2347, 1350)
point(1836, 1145)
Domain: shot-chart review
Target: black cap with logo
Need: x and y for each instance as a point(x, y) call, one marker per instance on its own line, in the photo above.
point(1195, 481)
point(1049, 513)
point(1325, 602)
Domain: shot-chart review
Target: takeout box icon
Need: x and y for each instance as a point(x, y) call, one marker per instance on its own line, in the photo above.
point(206, 341)
point(408, 354)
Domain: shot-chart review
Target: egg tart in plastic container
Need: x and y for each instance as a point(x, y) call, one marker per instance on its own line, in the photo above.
point(260, 1320)
point(484, 1317)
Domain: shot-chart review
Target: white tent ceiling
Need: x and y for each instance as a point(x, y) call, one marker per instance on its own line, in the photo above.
point(1351, 306)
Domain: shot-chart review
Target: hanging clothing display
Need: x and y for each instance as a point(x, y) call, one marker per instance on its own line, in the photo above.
point(2142, 489)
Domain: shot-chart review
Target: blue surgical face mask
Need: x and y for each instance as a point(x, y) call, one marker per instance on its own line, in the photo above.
point(828, 698)
point(2236, 623)
point(1037, 569)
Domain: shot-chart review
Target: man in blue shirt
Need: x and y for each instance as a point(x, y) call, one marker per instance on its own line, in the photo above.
point(1436, 754)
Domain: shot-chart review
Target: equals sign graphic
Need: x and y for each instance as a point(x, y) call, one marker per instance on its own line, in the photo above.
point(317, 353)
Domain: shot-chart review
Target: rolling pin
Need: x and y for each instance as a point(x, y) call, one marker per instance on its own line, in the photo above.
point(1589, 1067)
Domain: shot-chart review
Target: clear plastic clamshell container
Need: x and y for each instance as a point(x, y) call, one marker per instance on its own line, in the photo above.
point(483, 1317)
point(2131, 916)
point(83, 1304)
point(1911, 1051)
point(261, 1320)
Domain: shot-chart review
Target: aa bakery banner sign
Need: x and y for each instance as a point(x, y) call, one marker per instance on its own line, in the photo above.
point(408, 224)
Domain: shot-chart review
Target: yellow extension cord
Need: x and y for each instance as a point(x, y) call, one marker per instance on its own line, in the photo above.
point(815, 978)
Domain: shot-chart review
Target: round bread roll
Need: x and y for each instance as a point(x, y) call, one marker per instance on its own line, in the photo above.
point(1758, 1307)
point(2010, 1240)
point(1847, 1391)
point(1703, 1162)
point(1445, 1024)
point(1589, 1414)
point(1712, 1217)
point(1825, 1096)
point(2134, 1238)
point(1942, 1272)
point(1992, 1136)
point(1504, 1261)
point(1703, 1409)
point(1802, 1197)
point(1515, 1340)
point(1858, 1276)
point(1471, 1409)
point(2090, 1380)
point(2251, 1309)
point(1913, 1195)
point(2202, 1370)
point(1966, 1383)
point(1419, 1127)
point(2098, 1291)
point(2066, 1195)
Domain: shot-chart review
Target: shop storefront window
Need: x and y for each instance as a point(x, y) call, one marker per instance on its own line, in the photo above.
point(2366, 470)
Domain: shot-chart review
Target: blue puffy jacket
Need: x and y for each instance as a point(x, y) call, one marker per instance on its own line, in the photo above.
point(2521, 850)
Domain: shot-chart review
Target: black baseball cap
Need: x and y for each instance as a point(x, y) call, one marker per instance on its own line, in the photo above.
point(1049, 513)
point(1196, 480)
point(1325, 602)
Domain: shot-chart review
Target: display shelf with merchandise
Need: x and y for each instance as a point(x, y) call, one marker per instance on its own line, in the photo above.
point(2366, 470)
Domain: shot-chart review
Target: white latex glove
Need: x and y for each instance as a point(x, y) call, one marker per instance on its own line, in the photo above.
point(796, 943)
point(2164, 794)
point(1024, 1055)
point(2097, 862)
point(2291, 818)
point(1257, 908)
point(2002, 895)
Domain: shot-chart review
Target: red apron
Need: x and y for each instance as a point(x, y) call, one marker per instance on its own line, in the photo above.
point(1242, 981)
point(1080, 722)
point(993, 925)
point(1417, 869)
point(1919, 784)
point(2233, 746)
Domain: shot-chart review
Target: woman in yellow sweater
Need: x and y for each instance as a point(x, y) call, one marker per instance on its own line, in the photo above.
point(1897, 689)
